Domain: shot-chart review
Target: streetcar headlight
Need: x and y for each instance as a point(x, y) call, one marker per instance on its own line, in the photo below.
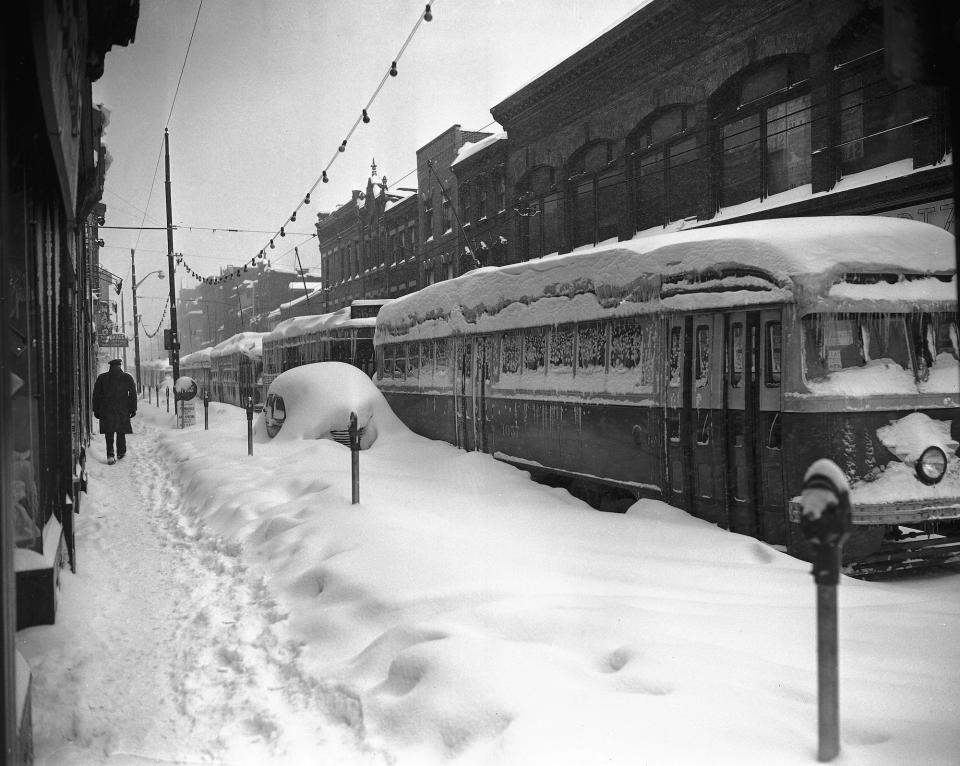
point(932, 465)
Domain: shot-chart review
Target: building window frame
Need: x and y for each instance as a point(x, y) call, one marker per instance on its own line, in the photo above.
point(763, 130)
point(665, 143)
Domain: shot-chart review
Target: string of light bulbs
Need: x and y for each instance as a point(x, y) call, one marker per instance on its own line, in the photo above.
point(163, 316)
point(238, 270)
point(364, 118)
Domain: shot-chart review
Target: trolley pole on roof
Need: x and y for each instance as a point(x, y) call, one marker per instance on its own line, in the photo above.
point(174, 337)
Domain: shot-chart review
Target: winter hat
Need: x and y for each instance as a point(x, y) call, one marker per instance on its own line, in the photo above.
point(115, 361)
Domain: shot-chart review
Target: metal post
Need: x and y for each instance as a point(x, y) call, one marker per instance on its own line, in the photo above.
point(354, 458)
point(168, 398)
point(174, 337)
point(825, 522)
point(158, 394)
point(249, 425)
point(206, 410)
point(136, 320)
point(828, 684)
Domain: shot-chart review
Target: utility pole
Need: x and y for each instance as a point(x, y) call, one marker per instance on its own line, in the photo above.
point(136, 320)
point(174, 342)
point(123, 324)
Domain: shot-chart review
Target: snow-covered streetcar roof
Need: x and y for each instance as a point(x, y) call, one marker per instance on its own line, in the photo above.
point(249, 343)
point(794, 260)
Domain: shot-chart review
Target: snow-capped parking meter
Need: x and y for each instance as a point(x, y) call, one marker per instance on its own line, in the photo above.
point(825, 522)
point(825, 517)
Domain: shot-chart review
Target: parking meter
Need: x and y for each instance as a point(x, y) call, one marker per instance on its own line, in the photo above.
point(249, 425)
point(825, 517)
point(825, 522)
point(354, 458)
point(206, 410)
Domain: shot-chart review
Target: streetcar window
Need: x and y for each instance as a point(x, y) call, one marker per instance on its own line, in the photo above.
point(561, 349)
point(400, 363)
point(940, 336)
point(736, 354)
point(885, 337)
point(704, 426)
point(772, 333)
point(533, 349)
point(676, 352)
point(510, 356)
point(703, 354)
point(488, 348)
point(626, 344)
point(775, 434)
point(673, 425)
point(441, 369)
point(426, 361)
point(413, 361)
point(591, 346)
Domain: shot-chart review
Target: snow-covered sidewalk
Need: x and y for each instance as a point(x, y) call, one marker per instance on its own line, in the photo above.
point(164, 650)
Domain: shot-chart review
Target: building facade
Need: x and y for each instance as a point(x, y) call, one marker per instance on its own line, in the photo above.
point(699, 113)
point(52, 165)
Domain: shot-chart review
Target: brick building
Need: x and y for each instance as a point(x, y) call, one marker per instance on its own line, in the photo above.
point(480, 169)
point(442, 254)
point(693, 113)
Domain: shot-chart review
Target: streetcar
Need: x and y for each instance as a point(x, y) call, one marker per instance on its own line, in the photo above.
point(236, 366)
point(345, 335)
point(708, 368)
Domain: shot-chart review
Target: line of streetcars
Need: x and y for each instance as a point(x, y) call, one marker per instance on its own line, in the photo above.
point(708, 368)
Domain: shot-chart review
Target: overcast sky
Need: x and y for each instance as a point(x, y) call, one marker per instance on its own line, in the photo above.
point(269, 91)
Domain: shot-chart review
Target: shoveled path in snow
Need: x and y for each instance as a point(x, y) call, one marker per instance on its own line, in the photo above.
point(186, 666)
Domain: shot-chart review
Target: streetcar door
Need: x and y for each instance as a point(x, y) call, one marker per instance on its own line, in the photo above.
point(703, 437)
point(464, 388)
point(678, 402)
point(742, 384)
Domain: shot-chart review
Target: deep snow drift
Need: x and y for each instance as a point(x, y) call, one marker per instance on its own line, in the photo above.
point(459, 613)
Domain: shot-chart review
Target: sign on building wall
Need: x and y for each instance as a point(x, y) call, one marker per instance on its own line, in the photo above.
point(115, 340)
point(939, 213)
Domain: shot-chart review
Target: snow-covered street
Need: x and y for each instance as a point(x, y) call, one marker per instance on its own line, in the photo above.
point(230, 609)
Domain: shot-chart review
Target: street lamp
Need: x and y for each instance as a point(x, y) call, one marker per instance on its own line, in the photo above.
point(136, 316)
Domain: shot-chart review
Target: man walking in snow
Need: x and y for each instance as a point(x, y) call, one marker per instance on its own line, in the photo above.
point(114, 403)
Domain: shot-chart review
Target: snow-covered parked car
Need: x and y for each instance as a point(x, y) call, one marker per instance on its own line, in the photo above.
point(315, 401)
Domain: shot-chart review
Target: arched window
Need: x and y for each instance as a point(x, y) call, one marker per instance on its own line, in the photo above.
point(499, 192)
point(538, 213)
point(763, 127)
point(593, 194)
point(666, 171)
point(875, 116)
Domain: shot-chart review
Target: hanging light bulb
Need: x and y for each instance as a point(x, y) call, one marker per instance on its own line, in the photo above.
point(100, 243)
point(293, 216)
point(282, 232)
point(323, 177)
point(262, 254)
point(366, 117)
point(393, 69)
point(427, 16)
point(306, 200)
point(343, 145)
point(271, 244)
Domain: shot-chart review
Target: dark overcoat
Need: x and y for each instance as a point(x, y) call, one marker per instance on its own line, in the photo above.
point(115, 400)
